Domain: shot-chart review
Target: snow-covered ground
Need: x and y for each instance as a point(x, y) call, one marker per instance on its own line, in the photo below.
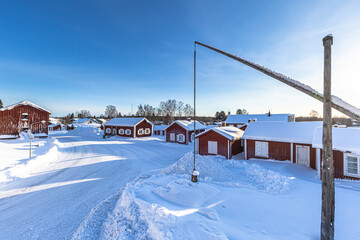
point(50, 195)
point(81, 186)
point(235, 199)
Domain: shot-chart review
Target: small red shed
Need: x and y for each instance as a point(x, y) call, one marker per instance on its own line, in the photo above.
point(182, 131)
point(21, 117)
point(129, 127)
point(223, 141)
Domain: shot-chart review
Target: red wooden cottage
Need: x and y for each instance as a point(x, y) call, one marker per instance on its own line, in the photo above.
point(346, 151)
point(182, 131)
point(281, 141)
point(23, 116)
point(160, 129)
point(223, 141)
point(129, 127)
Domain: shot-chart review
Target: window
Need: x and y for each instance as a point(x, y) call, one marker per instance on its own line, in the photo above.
point(127, 131)
point(121, 131)
point(147, 131)
point(180, 138)
point(351, 165)
point(241, 142)
point(108, 130)
point(24, 116)
point(261, 149)
point(140, 131)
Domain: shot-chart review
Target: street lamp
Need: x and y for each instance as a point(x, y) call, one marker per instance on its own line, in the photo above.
point(31, 136)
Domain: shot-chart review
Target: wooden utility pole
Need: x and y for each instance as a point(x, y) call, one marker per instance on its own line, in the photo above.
point(327, 170)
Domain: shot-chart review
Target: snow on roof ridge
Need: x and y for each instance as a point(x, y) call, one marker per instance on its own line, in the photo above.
point(122, 121)
point(24, 102)
point(224, 131)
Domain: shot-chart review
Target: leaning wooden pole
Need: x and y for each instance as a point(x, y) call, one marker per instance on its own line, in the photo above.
point(327, 170)
point(337, 103)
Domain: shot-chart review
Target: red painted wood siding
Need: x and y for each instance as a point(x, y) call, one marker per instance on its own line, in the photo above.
point(143, 124)
point(177, 129)
point(117, 131)
point(277, 150)
point(338, 158)
point(222, 143)
point(11, 123)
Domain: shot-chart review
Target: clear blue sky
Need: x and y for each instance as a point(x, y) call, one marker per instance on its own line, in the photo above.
point(73, 55)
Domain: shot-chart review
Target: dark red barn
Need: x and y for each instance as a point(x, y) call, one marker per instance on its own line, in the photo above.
point(223, 141)
point(21, 117)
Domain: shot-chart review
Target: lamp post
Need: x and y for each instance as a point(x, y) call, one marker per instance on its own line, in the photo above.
point(195, 174)
point(30, 135)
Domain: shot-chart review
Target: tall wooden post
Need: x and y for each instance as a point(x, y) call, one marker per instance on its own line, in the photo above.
point(327, 170)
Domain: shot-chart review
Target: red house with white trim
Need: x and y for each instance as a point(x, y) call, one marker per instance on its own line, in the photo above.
point(223, 141)
point(182, 131)
point(128, 127)
point(21, 117)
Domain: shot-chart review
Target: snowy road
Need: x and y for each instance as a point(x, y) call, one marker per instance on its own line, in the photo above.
point(85, 169)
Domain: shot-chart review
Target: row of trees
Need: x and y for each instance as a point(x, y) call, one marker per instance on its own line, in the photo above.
point(221, 115)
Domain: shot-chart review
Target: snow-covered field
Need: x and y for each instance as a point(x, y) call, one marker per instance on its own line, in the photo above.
point(81, 186)
point(49, 196)
point(235, 199)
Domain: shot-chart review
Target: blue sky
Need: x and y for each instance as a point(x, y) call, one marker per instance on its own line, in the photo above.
point(73, 55)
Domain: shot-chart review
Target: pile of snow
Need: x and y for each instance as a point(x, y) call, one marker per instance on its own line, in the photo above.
point(162, 206)
point(17, 164)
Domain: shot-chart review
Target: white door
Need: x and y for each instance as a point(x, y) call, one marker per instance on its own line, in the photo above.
point(261, 149)
point(212, 147)
point(303, 155)
point(172, 137)
point(114, 131)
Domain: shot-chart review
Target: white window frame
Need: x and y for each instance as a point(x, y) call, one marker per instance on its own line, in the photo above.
point(140, 131)
point(147, 131)
point(180, 138)
point(108, 130)
point(128, 132)
point(22, 117)
point(346, 173)
point(121, 131)
point(264, 149)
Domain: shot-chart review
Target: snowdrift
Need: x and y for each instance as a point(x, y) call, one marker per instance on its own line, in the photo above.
point(168, 206)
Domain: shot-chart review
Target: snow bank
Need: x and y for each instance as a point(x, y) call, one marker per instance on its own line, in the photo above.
point(46, 153)
point(162, 206)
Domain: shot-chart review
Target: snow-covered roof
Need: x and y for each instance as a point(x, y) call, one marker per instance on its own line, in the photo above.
point(231, 133)
point(344, 139)
point(189, 125)
point(160, 127)
point(125, 122)
point(237, 119)
point(295, 132)
point(23, 103)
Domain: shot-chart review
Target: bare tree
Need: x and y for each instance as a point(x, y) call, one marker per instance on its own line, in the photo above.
point(180, 108)
point(111, 111)
point(168, 108)
point(314, 114)
point(188, 110)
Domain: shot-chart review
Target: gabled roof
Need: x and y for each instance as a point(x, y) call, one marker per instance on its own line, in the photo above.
point(295, 132)
point(23, 103)
point(237, 119)
point(188, 125)
point(160, 127)
point(125, 122)
point(344, 139)
point(231, 133)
